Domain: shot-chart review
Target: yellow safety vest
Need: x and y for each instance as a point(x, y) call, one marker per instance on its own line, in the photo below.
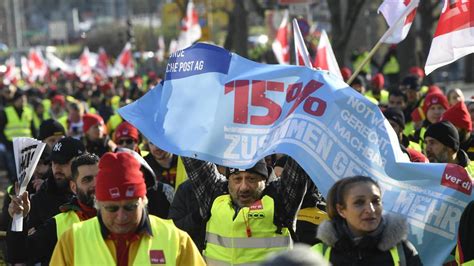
point(383, 96)
point(16, 126)
point(358, 61)
point(470, 169)
point(114, 121)
point(181, 175)
point(415, 146)
point(398, 260)
point(231, 242)
point(91, 249)
point(392, 66)
point(64, 221)
point(409, 129)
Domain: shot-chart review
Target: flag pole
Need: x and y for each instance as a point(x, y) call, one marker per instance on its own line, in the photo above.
point(382, 39)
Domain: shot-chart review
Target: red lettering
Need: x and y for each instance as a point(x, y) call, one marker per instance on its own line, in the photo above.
point(259, 99)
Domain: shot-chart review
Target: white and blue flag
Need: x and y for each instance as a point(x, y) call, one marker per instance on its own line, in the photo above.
point(220, 107)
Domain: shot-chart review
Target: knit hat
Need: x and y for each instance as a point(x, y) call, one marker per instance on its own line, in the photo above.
point(459, 116)
point(18, 94)
point(126, 130)
point(395, 114)
point(66, 149)
point(119, 178)
point(346, 73)
point(259, 168)
point(412, 83)
point(90, 120)
point(417, 71)
point(50, 128)
point(444, 132)
point(59, 99)
point(435, 98)
point(359, 80)
point(434, 89)
point(378, 81)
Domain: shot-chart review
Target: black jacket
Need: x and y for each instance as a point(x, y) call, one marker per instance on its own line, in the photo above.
point(184, 212)
point(37, 247)
point(466, 234)
point(45, 204)
point(372, 249)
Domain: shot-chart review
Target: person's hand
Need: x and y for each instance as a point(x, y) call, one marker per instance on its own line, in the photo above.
point(37, 182)
point(19, 204)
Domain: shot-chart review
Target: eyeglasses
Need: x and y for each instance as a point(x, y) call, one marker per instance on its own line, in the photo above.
point(127, 207)
point(126, 141)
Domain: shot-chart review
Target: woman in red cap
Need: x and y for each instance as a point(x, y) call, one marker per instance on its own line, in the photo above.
point(123, 233)
point(96, 139)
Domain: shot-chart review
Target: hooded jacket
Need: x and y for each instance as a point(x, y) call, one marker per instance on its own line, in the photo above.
point(372, 249)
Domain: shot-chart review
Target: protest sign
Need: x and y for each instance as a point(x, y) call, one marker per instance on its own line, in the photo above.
point(217, 106)
point(27, 152)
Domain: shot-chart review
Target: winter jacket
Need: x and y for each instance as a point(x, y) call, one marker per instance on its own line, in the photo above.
point(372, 249)
point(184, 212)
point(465, 247)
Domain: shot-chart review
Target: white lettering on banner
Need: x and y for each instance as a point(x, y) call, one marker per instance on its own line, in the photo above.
point(361, 108)
point(436, 216)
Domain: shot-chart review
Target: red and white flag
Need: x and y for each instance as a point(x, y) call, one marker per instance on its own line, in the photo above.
point(392, 10)
point(325, 58)
point(12, 74)
point(454, 35)
point(55, 62)
point(124, 64)
point(160, 54)
point(301, 52)
point(280, 45)
point(36, 67)
point(190, 30)
point(84, 66)
point(102, 66)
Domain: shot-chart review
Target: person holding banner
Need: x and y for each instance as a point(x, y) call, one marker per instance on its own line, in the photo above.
point(123, 233)
point(55, 191)
point(357, 232)
point(40, 244)
point(465, 242)
point(247, 219)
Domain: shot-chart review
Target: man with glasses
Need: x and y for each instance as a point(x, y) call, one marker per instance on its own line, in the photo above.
point(123, 233)
point(39, 246)
point(127, 136)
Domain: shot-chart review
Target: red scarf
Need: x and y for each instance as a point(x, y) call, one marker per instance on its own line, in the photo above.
point(86, 212)
point(122, 245)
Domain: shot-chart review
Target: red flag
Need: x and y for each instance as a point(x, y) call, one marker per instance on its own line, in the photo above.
point(325, 58)
point(280, 46)
point(454, 36)
point(124, 64)
point(392, 10)
point(102, 66)
point(84, 66)
point(12, 74)
point(36, 67)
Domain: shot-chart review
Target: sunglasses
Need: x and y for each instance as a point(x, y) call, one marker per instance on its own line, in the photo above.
point(127, 207)
point(126, 141)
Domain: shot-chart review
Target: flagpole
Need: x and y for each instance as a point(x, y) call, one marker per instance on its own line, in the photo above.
point(382, 39)
point(298, 37)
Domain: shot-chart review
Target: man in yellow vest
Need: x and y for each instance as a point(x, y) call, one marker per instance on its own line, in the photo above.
point(442, 146)
point(246, 218)
point(16, 120)
point(123, 233)
point(39, 246)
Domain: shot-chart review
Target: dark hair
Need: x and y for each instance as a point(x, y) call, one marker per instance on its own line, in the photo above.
point(337, 192)
point(84, 159)
point(398, 93)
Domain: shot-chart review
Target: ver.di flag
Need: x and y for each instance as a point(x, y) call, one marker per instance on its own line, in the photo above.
point(454, 35)
point(391, 11)
point(325, 58)
point(237, 111)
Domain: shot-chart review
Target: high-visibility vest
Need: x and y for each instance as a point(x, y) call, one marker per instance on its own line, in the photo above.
point(470, 169)
point(91, 249)
point(409, 129)
point(114, 121)
point(392, 66)
point(248, 237)
point(383, 96)
point(358, 61)
point(415, 146)
point(312, 215)
point(16, 126)
point(64, 221)
point(181, 175)
point(398, 260)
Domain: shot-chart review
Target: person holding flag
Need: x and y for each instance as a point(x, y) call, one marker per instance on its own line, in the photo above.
point(38, 247)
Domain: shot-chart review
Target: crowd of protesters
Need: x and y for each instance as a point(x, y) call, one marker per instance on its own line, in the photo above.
point(98, 168)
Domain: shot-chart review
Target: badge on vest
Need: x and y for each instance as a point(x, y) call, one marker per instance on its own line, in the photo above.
point(157, 257)
point(256, 205)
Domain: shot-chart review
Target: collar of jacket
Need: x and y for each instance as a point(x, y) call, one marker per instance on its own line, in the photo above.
point(395, 230)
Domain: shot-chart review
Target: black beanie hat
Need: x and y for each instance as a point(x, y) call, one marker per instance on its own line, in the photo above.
point(395, 114)
point(411, 82)
point(444, 132)
point(358, 80)
point(50, 128)
point(259, 168)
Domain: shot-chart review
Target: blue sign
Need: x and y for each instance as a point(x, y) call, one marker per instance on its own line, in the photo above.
point(239, 111)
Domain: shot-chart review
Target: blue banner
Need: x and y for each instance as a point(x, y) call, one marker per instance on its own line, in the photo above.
point(234, 111)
